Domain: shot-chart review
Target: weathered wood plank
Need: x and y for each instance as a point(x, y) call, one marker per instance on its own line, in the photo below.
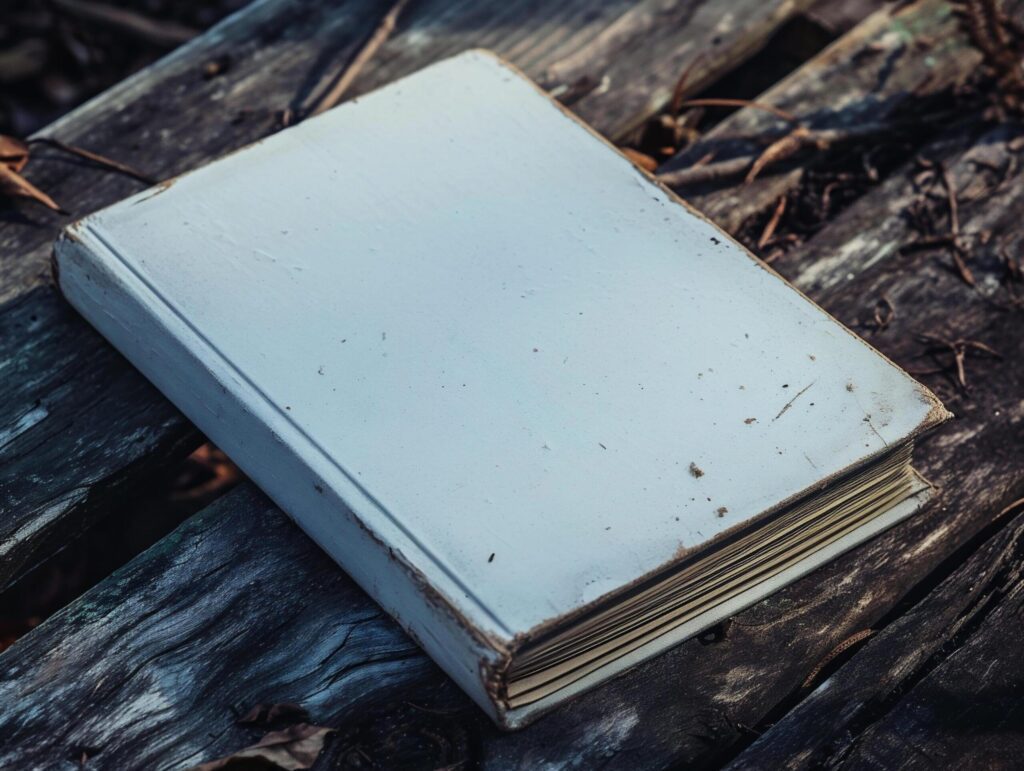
point(169, 119)
point(897, 64)
point(72, 421)
point(968, 713)
point(696, 702)
point(942, 684)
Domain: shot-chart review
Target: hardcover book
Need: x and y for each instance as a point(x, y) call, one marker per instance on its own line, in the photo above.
point(548, 416)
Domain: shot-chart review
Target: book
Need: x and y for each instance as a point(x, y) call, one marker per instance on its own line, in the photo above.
point(548, 416)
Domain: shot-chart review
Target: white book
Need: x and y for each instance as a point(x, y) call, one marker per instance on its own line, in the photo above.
point(552, 419)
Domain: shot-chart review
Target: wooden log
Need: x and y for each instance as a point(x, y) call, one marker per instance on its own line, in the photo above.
point(171, 118)
point(696, 704)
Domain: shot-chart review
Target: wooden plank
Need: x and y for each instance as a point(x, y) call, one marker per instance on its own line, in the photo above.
point(692, 705)
point(969, 711)
point(169, 119)
point(71, 421)
point(943, 684)
point(895, 65)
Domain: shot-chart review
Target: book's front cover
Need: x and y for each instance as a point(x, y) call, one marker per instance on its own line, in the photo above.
point(537, 371)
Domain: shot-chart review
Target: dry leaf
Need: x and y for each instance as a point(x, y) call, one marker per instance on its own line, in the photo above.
point(12, 183)
point(293, 749)
point(13, 153)
point(643, 160)
point(264, 714)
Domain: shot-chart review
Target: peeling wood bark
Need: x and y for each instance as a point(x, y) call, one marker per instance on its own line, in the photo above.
point(104, 426)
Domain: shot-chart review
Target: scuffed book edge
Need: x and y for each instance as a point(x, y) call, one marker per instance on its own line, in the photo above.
point(422, 604)
point(459, 636)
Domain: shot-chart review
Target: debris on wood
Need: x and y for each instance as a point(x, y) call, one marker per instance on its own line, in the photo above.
point(15, 185)
point(845, 645)
point(643, 160)
point(339, 85)
point(769, 229)
point(100, 160)
point(15, 154)
point(885, 312)
point(292, 749)
point(959, 349)
point(999, 39)
point(269, 714)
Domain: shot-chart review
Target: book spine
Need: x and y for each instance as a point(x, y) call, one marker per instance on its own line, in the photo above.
point(271, 450)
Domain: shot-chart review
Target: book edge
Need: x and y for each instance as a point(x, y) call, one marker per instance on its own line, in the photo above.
point(144, 330)
point(520, 717)
point(937, 412)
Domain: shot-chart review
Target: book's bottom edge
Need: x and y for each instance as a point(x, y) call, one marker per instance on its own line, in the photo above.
point(518, 717)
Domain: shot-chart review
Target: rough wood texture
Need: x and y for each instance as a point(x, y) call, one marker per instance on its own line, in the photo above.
point(169, 119)
point(896, 64)
point(696, 704)
point(71, 421)
point(935, 687)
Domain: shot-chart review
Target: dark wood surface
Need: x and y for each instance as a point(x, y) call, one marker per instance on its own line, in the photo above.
point(152, 667)
point(938, 687)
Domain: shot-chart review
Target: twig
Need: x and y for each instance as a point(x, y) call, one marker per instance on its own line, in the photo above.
point(1008, 508)
point(961, 266)
point(788, 145)
point(846, 644)
point(159, 32)
point(677, 93)
point(706, 172)
point(773, 223)
point(787, 116)
point(783, 148)
point(954, 227)
point(96, 158)
point(347, 76)
point(959, 349)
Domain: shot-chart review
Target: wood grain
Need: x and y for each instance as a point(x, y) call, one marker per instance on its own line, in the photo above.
point(940, 685)
point(170, 118)
point(898, 64)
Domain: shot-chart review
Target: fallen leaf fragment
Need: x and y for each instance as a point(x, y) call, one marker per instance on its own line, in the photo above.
point(12, 183)
point(13, 153)
point(265, 714)
point(643, 160)
point(292, 749)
